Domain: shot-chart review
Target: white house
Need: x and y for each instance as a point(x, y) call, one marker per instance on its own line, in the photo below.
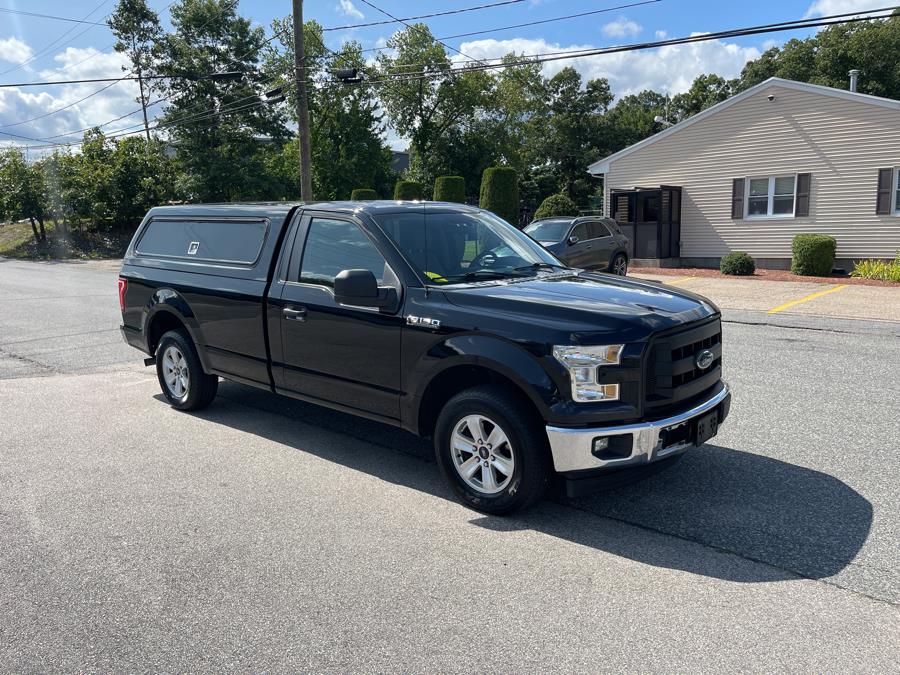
point(747, 174)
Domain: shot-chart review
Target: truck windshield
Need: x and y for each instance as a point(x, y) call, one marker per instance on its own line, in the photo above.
point(548, 230)
point(465, 246)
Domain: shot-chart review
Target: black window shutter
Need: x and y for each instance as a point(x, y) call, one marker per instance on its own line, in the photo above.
point(802, 208)
point(737, 198)
point(883, 200)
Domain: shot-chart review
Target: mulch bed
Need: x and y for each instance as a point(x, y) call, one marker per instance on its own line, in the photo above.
point(761, 275)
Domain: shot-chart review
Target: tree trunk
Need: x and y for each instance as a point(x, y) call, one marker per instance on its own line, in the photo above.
point(37, 236)
point(43, 231)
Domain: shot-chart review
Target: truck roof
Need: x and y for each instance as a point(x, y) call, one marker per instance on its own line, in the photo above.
point(270, 209)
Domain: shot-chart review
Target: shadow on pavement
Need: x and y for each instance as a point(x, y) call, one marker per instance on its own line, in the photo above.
point(797, 520)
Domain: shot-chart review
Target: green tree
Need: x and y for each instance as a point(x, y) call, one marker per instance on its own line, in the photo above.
point(346, 124)
point(217, 127)
point(138, 33)
point(22, 192)
point(705, 91)
point(423, 102)
point(572, 134)
point(631, 119)
point(826, 57)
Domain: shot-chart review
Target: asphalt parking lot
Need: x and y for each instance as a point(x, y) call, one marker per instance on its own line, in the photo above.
point(268, 534)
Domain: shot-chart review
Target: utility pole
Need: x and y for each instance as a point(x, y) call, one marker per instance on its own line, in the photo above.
point(302, 103)
point(141, 87)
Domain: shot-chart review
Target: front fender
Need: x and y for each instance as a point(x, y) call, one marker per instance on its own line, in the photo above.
point(509, 359)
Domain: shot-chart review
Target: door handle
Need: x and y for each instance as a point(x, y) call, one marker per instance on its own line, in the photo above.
point(294, 314)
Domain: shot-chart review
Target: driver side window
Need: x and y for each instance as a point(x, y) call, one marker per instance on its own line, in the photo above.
point(580, 231)
point(336, 245)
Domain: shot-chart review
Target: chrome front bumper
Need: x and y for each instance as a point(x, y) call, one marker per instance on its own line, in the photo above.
point(571, 448)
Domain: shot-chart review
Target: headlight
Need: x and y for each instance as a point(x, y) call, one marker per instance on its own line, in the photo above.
point(582, 364)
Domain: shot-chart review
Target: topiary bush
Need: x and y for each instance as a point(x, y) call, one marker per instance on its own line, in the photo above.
point(407, 190)
point(450, 189)
point(500, 192)
point(738, 263)
point(813, 254)
point(556, 205)
point(363, 194)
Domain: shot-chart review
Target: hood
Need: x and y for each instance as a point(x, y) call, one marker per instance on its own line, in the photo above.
point(588, 306)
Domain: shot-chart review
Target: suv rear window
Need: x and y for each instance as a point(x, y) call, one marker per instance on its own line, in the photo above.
point(209, 240)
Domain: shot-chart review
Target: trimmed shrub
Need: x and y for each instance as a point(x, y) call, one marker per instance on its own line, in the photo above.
point(407, 190)
point(500, 192)
point(363, 194)
point(813, 254)
point(450, 189)
point(556, 205)
point(738, 263)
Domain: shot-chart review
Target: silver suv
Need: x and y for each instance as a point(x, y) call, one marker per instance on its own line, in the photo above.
point(588, 242)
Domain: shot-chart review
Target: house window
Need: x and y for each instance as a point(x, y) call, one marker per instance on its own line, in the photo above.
point(771, 196)
point(897, 192)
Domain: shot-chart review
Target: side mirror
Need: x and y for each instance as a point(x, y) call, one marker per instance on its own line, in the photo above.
point(359, 287)
point(573, 240)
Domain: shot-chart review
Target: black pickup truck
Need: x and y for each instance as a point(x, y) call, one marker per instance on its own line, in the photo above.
point(438, 318)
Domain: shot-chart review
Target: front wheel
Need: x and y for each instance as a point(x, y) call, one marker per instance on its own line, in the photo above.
point(181, 376)
point(619, 265)
point(493, 454)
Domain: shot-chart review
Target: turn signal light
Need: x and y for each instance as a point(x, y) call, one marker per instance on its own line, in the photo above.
point(123, 286)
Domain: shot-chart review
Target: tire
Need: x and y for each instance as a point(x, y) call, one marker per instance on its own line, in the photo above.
point(619, 264)
point(188, 387)
point(525, 449)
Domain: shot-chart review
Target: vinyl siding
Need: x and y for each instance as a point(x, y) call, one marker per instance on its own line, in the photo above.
point(842, 143)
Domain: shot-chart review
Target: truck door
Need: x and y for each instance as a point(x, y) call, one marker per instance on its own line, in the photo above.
point(332, 353)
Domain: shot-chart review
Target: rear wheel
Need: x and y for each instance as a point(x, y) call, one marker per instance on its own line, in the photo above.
point(181, 376)
point(492, 453)
point(619, 264)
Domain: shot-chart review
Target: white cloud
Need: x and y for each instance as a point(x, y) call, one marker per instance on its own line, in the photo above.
point(831, 7)
point(18, 104)
point(621, 27)
point(347, 8)
point(669, 69)
point(661, 34)
point(14, 50)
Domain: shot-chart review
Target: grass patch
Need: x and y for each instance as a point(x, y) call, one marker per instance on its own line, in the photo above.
point(17, 241)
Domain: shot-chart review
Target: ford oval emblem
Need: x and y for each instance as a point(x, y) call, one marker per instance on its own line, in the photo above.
point(704, 359)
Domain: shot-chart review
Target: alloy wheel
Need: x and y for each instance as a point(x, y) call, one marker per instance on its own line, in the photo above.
point(482, 454)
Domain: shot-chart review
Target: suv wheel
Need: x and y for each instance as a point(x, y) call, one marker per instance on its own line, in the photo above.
point(181, 377)
point(619, 265)
point(493, 454)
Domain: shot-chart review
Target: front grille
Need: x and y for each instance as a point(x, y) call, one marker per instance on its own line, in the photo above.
point(673, 376)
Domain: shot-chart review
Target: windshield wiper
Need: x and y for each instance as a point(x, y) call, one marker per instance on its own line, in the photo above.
point(481, 275)
point(541, 266)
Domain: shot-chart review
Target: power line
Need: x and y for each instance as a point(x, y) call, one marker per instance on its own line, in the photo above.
point(848, 17)
point(526, 59)
point(521, 25)
point(556, 18)
point(65, 107)
point(21, 12)
point(49, 47)
point(420, 30)
point(425, 16)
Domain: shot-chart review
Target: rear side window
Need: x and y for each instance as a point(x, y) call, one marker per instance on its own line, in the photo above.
point(217, 241)
point(598, 230)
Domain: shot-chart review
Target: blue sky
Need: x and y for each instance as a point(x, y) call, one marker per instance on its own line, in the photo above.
point(38, 49)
